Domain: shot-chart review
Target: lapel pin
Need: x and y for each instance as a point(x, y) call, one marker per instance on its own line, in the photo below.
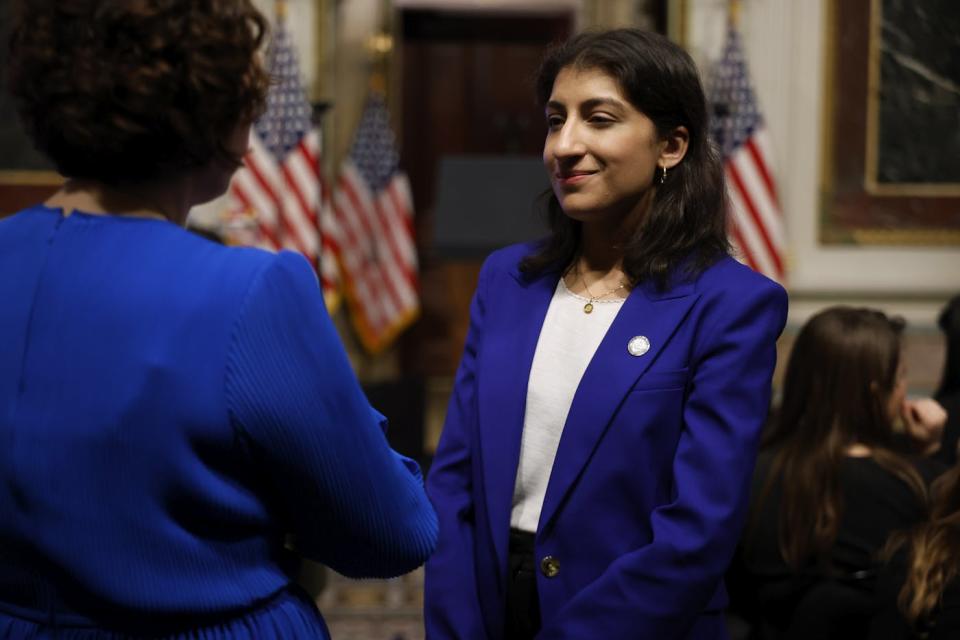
point(638, 345)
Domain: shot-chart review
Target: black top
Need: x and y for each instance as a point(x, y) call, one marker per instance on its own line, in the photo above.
point(951, 431)
point(875, 502)
point(889, 624)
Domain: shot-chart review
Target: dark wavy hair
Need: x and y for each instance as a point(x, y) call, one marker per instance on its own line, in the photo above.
point(124, 91)
point(840, 376)
point(685, 229)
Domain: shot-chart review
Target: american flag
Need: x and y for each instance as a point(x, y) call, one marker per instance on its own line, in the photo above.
point(374, 211)
point(737, 127)
point(281, 185)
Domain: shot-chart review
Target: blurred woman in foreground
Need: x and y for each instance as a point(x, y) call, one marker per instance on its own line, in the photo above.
point(171, 410)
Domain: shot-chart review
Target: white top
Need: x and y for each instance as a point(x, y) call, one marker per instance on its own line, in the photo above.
point(567, 342)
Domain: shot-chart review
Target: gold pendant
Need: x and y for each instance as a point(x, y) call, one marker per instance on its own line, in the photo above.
point(588, 308)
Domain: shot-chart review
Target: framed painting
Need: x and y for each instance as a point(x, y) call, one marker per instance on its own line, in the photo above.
point(890, 171)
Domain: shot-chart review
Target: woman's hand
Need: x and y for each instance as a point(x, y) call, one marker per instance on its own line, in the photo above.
point(924, 420)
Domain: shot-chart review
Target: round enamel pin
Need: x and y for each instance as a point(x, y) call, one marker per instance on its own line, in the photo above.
point(638, 345)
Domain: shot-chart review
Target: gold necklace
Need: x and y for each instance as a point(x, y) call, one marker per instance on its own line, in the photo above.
point(588, 308)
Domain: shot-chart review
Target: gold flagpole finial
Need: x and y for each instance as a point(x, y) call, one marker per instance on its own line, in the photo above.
point(734, 10)
point(281, 10)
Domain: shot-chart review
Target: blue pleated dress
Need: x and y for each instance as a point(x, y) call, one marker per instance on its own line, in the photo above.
point(175, 417)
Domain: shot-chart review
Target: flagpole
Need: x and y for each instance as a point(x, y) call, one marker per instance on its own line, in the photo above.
point(380, 47)
point(280, 9)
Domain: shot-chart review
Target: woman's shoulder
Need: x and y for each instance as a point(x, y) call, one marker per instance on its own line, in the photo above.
point(216, 272)
point(507, 260)
point(879, 490)
point(734, 292)
point(727, 275)
point(280, 276)
point(510, 256)
point(227, 260)
point(867, 466)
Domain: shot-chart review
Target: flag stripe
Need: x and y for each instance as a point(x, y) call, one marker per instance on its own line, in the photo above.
point(296, 218)
point(241, 193)
point(390, 219)
point(400, 202)
point(752, 245)
point(761, 166)
point(303, 188)
point(739, 244)
point(758, 232)
point(310, 151)
point(363, 211)
point(374, 211)
point(401, 280)
point(351, 257)
point(742, 164)
point(738, 129)
point(268, 205)
point(282, 183)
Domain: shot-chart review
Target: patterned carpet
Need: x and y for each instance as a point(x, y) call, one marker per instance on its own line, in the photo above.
point(373, 609)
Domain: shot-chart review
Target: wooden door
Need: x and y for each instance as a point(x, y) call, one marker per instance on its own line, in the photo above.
point(468, 88)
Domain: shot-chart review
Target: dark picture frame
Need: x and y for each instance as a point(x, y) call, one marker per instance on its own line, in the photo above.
point(890, 169)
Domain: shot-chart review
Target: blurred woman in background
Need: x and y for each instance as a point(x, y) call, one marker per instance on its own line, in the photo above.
point(171, 410)
point(831, 483)
point(919, 588)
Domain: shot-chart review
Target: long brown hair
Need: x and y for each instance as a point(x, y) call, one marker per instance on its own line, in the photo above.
point(933, 551)
point(841, 373)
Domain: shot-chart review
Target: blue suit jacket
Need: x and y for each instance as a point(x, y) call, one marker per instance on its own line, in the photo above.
point(649, 487)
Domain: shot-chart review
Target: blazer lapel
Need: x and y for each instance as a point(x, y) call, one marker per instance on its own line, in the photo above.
point(611, 374)
point(502, 393)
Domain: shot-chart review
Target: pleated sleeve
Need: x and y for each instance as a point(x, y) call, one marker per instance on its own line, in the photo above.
point(348, 499)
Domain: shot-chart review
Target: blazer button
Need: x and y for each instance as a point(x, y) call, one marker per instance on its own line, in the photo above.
point(549, 566)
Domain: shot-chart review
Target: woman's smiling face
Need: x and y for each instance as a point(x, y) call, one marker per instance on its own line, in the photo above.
point(601, 153)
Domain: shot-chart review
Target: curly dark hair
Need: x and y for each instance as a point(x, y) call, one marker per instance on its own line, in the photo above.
point(125, 91)
point(685, 230)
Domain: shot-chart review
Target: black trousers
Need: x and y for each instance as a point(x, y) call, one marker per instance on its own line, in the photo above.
point(523, 605)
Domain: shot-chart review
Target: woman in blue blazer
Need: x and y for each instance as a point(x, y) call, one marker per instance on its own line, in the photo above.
point(592, 476)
